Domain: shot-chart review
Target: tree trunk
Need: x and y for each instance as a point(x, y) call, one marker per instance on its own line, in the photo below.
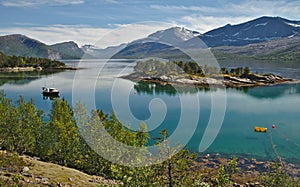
point(170, 174)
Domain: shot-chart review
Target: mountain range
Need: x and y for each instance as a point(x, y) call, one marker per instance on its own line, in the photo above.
point(266, 37)
point(258, 30)
point(21, 45)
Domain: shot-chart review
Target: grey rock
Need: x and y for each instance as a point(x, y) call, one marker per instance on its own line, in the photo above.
point(45, 179)
point(27, 174)
point(25, 169)
point(45, 183)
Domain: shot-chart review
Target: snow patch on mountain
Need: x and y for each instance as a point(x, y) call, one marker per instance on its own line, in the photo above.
point(291, 36)
point(293, 24)
point(248, 28)
point(180, 33)
point(261, 24)
point(171, 36)
point(89, 48)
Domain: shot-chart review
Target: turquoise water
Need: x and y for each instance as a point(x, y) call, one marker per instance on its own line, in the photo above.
point(245, 108)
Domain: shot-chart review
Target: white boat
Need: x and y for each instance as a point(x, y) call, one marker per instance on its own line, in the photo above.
point(50, 91)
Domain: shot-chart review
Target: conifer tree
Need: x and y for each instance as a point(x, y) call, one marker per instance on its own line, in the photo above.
point(28, 125)
point(19, 125)
point(62, 136)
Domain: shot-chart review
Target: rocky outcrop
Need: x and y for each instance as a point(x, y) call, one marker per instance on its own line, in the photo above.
point(30, 171)
point(249, 169)
point(250, 80)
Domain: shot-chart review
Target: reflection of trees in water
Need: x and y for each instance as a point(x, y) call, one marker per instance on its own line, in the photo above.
point(24, 77)
point(272, 92)
point(157, 88)
point(154, 88)
point(265, 92)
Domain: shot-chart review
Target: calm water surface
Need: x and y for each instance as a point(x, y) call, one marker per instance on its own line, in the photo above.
point(245, 108)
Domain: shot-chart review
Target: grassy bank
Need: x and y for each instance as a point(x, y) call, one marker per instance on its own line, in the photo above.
point(58, 141)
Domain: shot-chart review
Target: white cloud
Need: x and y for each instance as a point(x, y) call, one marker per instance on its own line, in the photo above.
point(272, 8)
point(110, 1)
point(83, 34)
point(34, 3)
point(184, 8)
point(128, 32)
point(249, 8)
point(205, 23)
point(200, 18)
point(205, 18)
point(59, 33)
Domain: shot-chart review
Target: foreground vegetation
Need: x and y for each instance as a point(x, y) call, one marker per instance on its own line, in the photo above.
point(23, 131)
point(29, 171)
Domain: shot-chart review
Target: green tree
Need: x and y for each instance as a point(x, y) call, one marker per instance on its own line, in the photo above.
point(223, 178)
point(19, 125)
point(142, 135)
point(246, 71)
point(278, 176)
point(61, 136)
point(29, 124)
point(177, 170)
point(225, 173)
point(89, 160)
point(8, 118)
point(224, 70)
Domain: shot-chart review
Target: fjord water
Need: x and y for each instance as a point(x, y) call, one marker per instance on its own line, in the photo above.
point(245, 108)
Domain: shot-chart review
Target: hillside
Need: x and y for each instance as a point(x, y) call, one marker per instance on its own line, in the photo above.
point(280, 49)
point(172, 36)
point(68, 50)
point(255, 31)
point(29, 171)
point(149, 49)
point(91, 51)
point(20, 45)
point(267, 37)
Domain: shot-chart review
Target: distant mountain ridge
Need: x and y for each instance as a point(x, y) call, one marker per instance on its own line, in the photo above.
point(171, 36)
point(162, 44)
point(287, 48)
point(167, 43)
point(258, 30)
point(106, 53)
point(263, 29)
point(21, 45)
point(150, 49)
point(68, 50)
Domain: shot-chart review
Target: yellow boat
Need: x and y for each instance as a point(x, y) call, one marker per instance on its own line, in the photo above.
point(260, 129)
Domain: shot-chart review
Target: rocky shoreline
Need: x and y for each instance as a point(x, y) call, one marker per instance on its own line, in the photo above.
point(31, 68)
point(250, 170)
point(64, 68)
point(20, 69)
point(250, 80)
point(39, 173)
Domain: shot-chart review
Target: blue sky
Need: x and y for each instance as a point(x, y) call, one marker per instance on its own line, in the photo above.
point(87, 21)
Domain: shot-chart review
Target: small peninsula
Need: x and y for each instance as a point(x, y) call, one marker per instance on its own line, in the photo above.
point(18, 63)
point(183, 73)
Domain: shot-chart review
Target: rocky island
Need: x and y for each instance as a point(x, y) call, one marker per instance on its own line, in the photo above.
point(190, 73)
